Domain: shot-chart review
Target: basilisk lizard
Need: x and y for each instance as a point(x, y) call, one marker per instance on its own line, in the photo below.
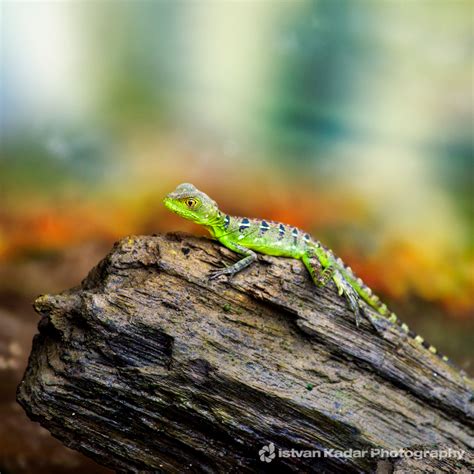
point(246, 236)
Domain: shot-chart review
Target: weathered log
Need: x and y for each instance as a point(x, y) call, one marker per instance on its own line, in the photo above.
point(148, 366)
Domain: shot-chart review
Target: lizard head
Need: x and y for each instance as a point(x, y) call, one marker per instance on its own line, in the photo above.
point(188, 202)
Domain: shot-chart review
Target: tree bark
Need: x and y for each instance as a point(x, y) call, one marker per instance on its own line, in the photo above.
point(148, 366)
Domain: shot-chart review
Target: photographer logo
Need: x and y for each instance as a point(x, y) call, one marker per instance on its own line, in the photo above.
point(267, 453)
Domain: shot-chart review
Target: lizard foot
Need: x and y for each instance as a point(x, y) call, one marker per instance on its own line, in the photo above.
point(346, 289)
point(213, 274)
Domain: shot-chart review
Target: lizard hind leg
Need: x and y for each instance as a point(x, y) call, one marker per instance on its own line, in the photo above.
point(319, 275)
point(351, 295)
point(322, 274)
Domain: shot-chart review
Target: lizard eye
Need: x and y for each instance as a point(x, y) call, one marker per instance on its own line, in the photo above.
point(191, 202)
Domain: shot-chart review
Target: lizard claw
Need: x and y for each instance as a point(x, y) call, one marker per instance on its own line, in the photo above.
point(213, 274)
point(357, 315)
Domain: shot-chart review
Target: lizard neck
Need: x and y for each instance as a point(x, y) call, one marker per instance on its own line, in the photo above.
point(216, 224)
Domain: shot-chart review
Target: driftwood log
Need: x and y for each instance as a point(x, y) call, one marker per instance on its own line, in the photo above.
point(149, 367)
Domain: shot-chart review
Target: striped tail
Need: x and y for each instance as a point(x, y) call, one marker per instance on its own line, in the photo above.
point(374, 302)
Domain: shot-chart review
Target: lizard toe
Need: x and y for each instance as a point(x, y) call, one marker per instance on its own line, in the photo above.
point(213, 274)
point(352, 298)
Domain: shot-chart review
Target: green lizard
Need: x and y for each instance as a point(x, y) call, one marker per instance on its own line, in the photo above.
point(247, 236)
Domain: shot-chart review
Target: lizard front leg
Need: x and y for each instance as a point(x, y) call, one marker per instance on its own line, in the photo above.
point(248, 259)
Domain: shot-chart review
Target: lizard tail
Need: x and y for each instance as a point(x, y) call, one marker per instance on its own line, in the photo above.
point(374, 302)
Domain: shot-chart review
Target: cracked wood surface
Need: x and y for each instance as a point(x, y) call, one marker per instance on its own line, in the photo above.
point(149, 367)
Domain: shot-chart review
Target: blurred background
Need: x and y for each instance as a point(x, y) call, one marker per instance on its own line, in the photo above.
point(352, 120)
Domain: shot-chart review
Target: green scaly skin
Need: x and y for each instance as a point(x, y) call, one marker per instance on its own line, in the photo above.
point(246, 236)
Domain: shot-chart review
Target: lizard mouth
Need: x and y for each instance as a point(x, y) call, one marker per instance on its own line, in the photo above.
point(171, 204)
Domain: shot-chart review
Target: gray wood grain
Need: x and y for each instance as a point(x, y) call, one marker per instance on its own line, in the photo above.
point(149, 367)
